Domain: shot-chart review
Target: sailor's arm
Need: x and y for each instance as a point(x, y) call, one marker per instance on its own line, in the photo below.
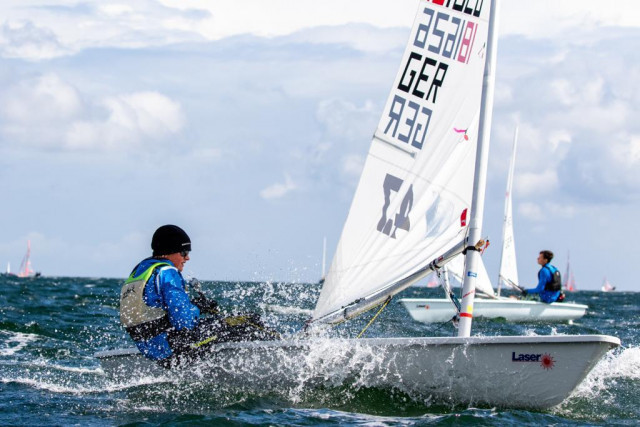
point(182, 313)
point(544, 277)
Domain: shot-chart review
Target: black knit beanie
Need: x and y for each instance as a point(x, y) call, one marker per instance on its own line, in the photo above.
point(170, 239)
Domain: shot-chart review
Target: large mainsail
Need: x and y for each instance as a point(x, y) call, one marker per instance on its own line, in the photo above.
point(413, 200)
point(508, 265)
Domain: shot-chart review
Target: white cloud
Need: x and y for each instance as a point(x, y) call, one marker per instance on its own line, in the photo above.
point(49, 112)
point(281, 17)
point(131, 119)
point(45, 98)
point(352, 165)
point(629, 153)
point(40, 30)
point(37, 30)
point(536, 184)
point(347, 130)
point(342, 119)
point(576, 117)
point(365, 38)
point(531, 211)
point(551, 18)
point(278, 190)
point(35, 111)
point(546, 212)
point(24, 39)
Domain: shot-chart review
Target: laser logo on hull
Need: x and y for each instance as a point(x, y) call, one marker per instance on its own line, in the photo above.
point(546, 360)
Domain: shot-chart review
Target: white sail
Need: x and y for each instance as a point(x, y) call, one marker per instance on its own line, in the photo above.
point(607, 286)
point(569, 281)
point(508, 265)
point(25, 265)
point(456, 269)
point(413, 199)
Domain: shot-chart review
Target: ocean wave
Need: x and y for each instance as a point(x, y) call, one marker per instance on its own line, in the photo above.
point(63, 385)
point(15, 342)
point(616, 365)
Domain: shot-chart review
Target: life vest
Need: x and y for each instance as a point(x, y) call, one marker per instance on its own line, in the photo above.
point(141, 321)
point(555, 284)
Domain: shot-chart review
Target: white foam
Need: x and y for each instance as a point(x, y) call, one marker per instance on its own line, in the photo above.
point(60, 387)
point(19, 339)
point(281, 309)
point(624, 363)
point(45, 364)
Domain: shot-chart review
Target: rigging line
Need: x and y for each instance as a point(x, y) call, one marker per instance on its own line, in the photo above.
point(384, 304)
point(447, 288)
point(453, 320)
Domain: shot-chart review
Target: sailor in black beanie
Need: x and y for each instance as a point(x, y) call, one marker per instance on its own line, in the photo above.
point(166, 325)
point(155, 307)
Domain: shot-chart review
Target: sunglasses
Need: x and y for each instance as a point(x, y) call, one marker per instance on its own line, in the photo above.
point(184, 254)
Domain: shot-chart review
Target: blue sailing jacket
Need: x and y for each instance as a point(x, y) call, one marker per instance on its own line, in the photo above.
point(545, 275)
point(166, 289)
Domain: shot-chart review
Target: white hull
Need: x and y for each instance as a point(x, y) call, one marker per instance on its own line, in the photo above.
point(434, 310)
point(469, 371)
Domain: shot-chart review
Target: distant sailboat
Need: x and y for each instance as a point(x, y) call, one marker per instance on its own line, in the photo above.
point(607, 287)
point(25, 265)
point(569, 281)
point(431, 310)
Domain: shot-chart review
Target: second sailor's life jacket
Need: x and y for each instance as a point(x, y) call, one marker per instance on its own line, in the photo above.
point(141, 321)
point(555, 284)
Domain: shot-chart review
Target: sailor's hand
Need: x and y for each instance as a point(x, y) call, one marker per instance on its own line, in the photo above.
point(206, 305)
point(195, 284)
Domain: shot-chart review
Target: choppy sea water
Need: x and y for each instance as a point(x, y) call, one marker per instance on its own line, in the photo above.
point(50, 329)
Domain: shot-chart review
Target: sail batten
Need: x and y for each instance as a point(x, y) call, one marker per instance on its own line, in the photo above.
point(378, 136)
point(413, 200)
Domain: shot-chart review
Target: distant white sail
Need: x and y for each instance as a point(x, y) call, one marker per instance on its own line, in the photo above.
point(569, 281)
point(607, 286)
point(25, 265)
point(508, 264)
point(413, 199)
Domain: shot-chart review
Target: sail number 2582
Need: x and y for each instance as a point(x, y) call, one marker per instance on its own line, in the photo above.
point(389, 224)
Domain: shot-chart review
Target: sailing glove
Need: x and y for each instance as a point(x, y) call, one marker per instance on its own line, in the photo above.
point(206, 305)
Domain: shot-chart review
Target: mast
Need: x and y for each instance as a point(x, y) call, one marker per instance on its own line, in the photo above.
point(480, 175)
point(508, 211)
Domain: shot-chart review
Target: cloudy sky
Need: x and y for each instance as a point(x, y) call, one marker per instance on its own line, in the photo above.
point(247, 123)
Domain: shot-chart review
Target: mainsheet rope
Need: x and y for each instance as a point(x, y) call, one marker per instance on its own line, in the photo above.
point(384, 305)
